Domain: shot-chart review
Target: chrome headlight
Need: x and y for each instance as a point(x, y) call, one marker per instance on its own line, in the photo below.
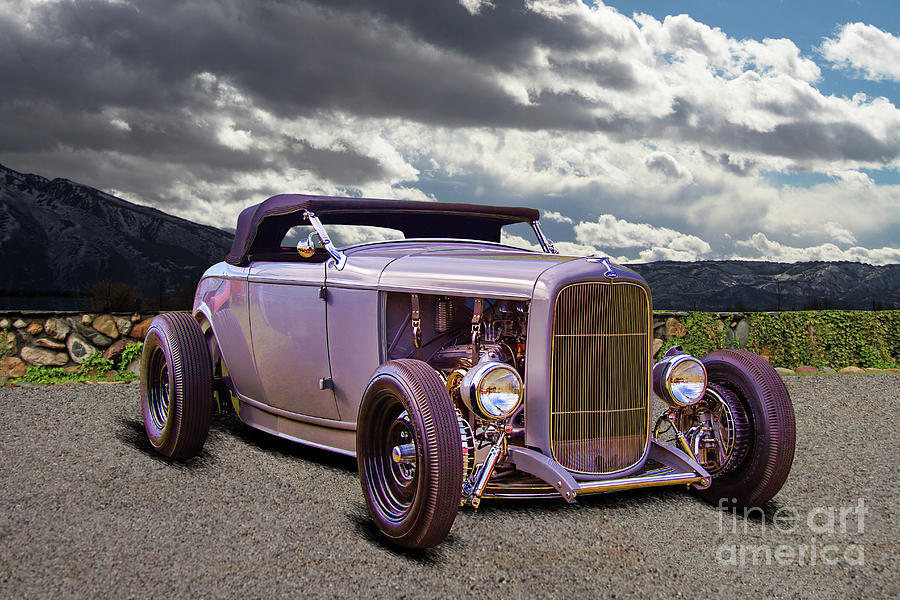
point(680, 380)
point(492, 390)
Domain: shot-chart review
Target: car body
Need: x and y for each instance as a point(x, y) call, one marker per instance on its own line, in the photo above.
point(345, 349)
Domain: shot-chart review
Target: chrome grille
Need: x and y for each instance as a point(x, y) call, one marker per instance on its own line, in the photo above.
point(600, 376)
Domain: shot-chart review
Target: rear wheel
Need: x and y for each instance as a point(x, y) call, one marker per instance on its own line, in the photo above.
point(176, 385)
point(409, 454)
point(753, 403)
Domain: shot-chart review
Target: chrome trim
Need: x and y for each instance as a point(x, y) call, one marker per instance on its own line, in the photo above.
point(306, 248)
point(467, 442)
point(610, 272)
point(340, 259)
point(404, 453)
point(692, 439)
point(546, 243)
point(442, 240)
point(502, 495)
point(473, 489)
point(729, 426)
point(673, 467)
point(596, 487)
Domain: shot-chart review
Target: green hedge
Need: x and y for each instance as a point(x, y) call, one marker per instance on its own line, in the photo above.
point(829, 338)
point(821, 338)
point(705, 333)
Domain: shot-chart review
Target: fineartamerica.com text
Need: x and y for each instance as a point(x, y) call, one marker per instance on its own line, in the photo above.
point(819, 521)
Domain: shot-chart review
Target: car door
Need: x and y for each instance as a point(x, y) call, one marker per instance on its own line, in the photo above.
point(290, 346)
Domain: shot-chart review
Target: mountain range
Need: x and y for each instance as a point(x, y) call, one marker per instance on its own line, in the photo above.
point(65, 245)
point(61, 241)
point(745, 285)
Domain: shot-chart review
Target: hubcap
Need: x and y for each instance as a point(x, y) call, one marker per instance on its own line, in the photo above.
point(400, 436)
point(393, 484)
point(158, 389)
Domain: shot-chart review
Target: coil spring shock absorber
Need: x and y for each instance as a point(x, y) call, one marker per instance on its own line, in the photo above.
point(443, 314)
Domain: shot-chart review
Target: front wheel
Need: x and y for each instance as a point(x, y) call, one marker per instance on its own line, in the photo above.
point(176, 385)
point(749, 404)
point(409, 454)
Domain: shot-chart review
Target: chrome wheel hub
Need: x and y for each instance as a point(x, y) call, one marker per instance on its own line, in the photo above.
point(158, 390)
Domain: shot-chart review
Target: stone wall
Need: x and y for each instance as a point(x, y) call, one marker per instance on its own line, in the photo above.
point(64, 339)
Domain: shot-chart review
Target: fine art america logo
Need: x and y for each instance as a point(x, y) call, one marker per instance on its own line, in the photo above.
point(820, 528)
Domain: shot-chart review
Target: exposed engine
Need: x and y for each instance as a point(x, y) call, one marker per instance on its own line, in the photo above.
point(496, 333)
point(453, 334)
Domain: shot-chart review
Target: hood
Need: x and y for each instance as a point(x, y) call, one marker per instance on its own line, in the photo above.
point(496, 273)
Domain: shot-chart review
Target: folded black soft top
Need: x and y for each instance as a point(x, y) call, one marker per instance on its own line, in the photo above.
point(261, 227)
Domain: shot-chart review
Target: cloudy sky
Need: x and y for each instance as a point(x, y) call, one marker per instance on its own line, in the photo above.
point(703, 129)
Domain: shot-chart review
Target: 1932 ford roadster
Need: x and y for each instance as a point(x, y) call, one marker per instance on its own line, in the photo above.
point(453, 366)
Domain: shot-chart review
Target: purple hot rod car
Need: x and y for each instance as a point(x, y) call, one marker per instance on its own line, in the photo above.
point(454, 366)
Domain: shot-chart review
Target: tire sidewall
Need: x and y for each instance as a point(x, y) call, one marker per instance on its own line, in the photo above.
point(374, 399)
point(750, 468)
point(747, 483)
point(155, 341)
point(177, 340)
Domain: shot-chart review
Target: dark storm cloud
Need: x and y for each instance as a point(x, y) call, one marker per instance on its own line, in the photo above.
point(503, 35)
point(159, 135)
point(344, 165)
point(78, 66)
point(291, 58)
point(169, 70)
point(798, 140)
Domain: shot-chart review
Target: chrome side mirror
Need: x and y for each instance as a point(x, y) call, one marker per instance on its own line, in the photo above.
point(340, 259)
point(306, 248)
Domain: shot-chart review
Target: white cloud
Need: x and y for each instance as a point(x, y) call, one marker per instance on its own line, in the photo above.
point(573, 249)
point(689, 41)
point(553, 215)
point(666, 164)
point(120, 124)
point(761, 247)
point(476, 6)
point(852, 178)
point(350, 235)
point(518, 241)
point(231, 137)
point(861, 208)
point(608, 231)
point(839, 233)
point(866, 50)
point(656, 253)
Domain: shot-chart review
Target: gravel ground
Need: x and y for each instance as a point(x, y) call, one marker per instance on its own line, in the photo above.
point(88, 510)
